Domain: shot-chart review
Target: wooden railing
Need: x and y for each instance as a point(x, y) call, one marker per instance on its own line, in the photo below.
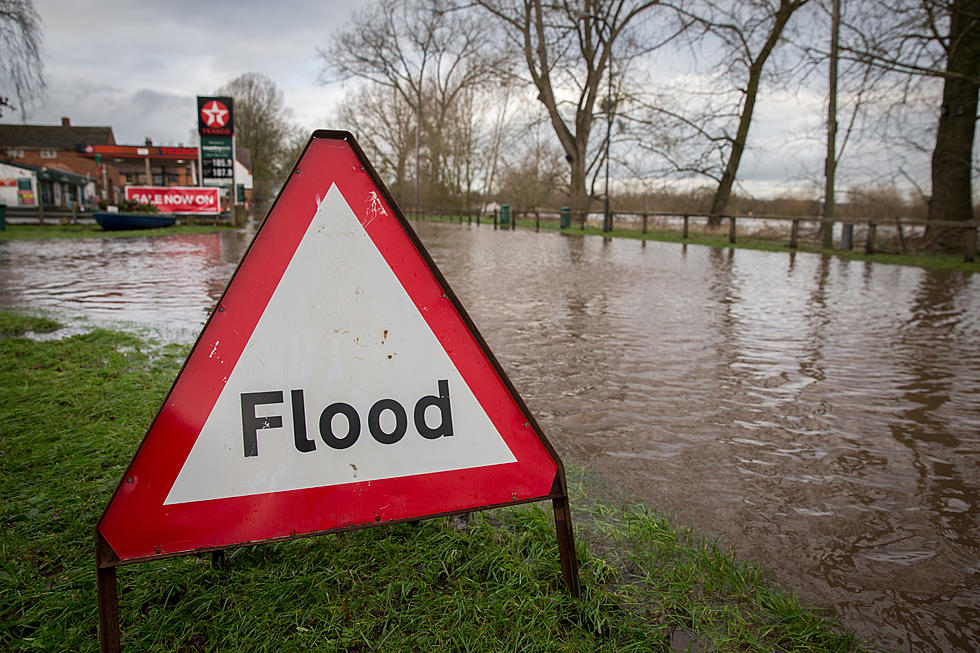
point(683, 221)
point(49, 215)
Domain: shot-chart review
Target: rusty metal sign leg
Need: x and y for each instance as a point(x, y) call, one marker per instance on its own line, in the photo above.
point(566, 544)
point(108, 600)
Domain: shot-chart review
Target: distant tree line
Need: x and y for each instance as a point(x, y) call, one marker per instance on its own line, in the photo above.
point(460, 102)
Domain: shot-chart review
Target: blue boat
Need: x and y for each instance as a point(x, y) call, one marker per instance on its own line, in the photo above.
point(121, 221)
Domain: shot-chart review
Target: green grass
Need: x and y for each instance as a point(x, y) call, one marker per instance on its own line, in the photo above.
point(73, 411)
point(15, 324)
point(43, 232)
point(929, 260)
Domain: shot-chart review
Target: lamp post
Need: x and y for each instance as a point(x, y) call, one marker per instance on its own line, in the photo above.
point(607, 217)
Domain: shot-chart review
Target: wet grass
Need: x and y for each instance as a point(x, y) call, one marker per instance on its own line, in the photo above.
point(73, 411)
point(46, 232)
point(16, 324)
point(928, 260)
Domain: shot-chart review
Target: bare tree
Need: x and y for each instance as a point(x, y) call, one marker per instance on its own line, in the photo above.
point(748, 32)
point(532, 181)
point(385, 127)
point(568, 49)
point(698, 124)
point(263, 125)
point(952, 158)
point(922, 45)
point(21, 68)
point(427, 55)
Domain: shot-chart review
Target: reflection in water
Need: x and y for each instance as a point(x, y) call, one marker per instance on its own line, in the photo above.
point(764, 398)
point(819, 414)
point(168, 283)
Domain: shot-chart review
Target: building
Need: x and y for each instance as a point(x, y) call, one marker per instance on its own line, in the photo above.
point(25, 185)
point(57, 170)
point(65, 164)
point(243, 176)
point(147, 164)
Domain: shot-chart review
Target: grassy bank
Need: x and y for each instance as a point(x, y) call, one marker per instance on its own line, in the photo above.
point(73, 411)
point(43, 232)
point(719, 238)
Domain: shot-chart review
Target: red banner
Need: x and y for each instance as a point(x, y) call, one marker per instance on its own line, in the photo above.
point(177, 199)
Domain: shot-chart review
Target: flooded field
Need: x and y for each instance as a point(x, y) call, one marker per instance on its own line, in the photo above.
point(821, 416)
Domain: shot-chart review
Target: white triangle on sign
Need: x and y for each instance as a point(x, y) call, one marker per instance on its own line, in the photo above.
point(341, 328)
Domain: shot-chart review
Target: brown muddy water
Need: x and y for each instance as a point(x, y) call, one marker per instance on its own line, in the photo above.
point(821, 416)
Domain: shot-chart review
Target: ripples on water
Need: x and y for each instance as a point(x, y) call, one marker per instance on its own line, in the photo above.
point(167, 284)
point(821, 415)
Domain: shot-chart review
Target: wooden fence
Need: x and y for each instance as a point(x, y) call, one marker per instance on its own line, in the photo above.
point(38, 215)
point(875, 230)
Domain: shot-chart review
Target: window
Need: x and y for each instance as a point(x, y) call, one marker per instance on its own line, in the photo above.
point(49, 154)
point(171, 179)
point(15, 154)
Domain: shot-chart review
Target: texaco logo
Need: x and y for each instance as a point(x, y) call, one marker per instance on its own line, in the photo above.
point(215, 114)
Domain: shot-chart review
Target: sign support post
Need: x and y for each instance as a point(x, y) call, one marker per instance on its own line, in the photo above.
point(566, 543)
point(108, 597)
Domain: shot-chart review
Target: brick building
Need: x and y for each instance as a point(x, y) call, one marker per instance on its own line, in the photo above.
point(57, 148)
point(99, 168)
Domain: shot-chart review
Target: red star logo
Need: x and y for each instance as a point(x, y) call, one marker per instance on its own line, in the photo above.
point(215, 114)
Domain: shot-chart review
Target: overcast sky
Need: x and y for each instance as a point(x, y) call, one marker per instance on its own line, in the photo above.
point(138, 66)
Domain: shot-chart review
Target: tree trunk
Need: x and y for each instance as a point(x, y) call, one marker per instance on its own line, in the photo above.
point(724, 191)
point(952, 157)
point(578, 194)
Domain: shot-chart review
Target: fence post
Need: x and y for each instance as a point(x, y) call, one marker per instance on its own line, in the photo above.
point(40, 210)
point(970, 245)
point(684, 233)
point(869, 243)
point(644, 223)
point(794, 235)
point(731, 229)
point(901, 236)
point(495, 219)
point(847, 236)
point(537, 222)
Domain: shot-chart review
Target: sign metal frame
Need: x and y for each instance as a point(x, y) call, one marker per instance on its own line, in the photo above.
point(107, 560)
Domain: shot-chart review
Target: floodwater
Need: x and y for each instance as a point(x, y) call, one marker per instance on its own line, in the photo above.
point(821, 416)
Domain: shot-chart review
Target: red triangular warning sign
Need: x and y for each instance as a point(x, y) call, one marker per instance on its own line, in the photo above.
point(338, 384)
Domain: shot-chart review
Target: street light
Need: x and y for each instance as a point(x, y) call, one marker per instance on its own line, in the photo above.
point(607, 218)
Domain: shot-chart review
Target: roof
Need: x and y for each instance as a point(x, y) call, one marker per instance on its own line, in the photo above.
point(244, 157)
point(56, 137)
point(22, 166)
point(48, 173)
